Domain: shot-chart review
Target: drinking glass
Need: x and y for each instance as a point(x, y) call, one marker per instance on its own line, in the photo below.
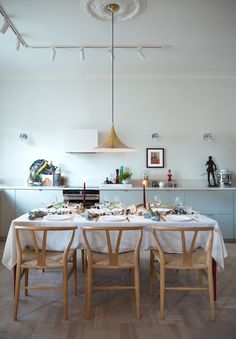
point(157, 200)
point(178, 202)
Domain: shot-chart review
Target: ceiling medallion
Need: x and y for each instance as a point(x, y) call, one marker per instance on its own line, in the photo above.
point(128, 9)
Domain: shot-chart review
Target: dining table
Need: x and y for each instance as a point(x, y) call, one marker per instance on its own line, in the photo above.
point(171, 244)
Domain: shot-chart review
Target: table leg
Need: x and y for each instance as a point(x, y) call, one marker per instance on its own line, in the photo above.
point(14, 278)
point(214, 277)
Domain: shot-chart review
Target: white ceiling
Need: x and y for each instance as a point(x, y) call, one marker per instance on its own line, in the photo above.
point(202, 33)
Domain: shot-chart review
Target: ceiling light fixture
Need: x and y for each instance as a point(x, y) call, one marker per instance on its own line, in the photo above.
point(112, 143)
point(5, 26)
point(208, 137)
point(81, 53)
point(53, 54)
point(156, 136)
point(140, 53)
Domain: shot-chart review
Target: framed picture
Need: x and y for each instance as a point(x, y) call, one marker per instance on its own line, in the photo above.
point(155, 157)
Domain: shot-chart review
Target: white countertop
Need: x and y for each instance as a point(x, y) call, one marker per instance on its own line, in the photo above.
point(134, 188)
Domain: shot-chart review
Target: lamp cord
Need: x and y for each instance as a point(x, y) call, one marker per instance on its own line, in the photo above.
point(112, 68)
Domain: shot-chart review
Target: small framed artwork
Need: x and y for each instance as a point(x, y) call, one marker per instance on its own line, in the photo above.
point(155, 157)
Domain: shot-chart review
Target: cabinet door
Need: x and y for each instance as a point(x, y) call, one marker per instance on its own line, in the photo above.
point(225, 222)
point(210, 201)
point(27, 200)
point(7, 211)
point(217, 205)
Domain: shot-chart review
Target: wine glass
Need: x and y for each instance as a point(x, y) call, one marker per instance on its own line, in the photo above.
point(178, 202)
point(157, 200)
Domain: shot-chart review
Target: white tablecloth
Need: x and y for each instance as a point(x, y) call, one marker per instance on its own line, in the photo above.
point(169, 241)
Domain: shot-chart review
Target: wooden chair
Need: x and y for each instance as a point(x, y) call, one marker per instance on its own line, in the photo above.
point(189, 259)
point(38, 257)
point(112, 259)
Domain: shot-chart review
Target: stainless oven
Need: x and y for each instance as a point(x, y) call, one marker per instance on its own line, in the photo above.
point(77, 196)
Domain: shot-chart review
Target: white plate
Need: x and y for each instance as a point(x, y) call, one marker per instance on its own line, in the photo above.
point(178, 218)
point(58, 217)
point(113, 218)
point(162, 209)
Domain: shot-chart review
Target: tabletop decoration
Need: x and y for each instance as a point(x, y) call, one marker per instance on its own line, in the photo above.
point(35, 214)
point(150, 214)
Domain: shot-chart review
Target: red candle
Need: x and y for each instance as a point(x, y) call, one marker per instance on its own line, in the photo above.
point(144, 194)
point(84, 197)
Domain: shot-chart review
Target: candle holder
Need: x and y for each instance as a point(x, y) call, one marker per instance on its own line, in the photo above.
point(144, 193)
point(84, 195)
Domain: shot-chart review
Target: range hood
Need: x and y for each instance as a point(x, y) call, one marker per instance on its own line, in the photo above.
point(80, 140)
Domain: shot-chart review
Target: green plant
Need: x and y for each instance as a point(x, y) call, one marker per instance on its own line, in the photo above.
point(124, 176)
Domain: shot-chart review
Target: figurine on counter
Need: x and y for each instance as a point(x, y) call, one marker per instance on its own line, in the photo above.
point(169, 175)
point(211, 168)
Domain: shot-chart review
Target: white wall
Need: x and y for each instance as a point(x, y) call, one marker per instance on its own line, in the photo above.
point(179, 108)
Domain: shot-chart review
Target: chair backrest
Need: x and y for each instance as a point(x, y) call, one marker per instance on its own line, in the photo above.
point(38, 235)
point(187, 253)
point(112, 245)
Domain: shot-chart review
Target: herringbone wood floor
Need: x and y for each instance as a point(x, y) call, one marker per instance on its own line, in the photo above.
point(187, 315)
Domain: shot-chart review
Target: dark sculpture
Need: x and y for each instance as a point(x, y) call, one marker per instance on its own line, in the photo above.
point(211, 168)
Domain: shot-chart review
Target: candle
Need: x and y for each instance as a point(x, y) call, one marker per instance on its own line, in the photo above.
point(84, 192)
point(144, 194)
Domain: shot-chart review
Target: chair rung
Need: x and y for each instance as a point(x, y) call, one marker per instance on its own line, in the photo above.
point(187, 288)
point(44, 287)
point(115, 287)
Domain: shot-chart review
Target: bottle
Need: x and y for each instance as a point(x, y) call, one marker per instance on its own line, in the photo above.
point(57, 177)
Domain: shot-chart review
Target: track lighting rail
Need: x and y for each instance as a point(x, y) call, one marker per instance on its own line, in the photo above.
point(20, 38)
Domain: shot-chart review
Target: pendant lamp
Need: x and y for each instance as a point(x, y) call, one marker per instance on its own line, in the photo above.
point(112, 143)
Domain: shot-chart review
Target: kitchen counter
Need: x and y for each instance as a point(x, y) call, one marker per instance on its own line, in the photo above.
point(134, 188)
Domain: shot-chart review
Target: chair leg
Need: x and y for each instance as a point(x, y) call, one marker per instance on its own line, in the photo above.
point(162, 291)
point(88, 292)
point(137, 291)
point(83, 260)
point(17, 292)
point(151, 273)
point(200, 279)
point(75, 271)
point(65, 292)
point(211, 292)
point(26, 280)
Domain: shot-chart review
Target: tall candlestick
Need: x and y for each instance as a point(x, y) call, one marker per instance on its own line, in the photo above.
point(84, 193)
point(144, 194)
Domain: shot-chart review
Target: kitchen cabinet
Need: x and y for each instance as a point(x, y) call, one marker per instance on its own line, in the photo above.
point(27, 200)
point(234, 214)
point(7, 211)
point(216, 204)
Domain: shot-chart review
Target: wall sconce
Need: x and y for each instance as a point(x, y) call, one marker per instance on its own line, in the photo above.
point(208, 137)
point(24, 137)
point(156, 136)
